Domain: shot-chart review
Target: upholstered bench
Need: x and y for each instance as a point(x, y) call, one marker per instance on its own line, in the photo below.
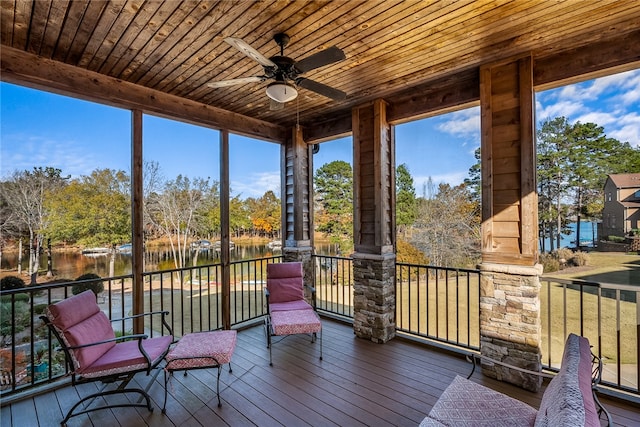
point(200, 350)
point(569, 399)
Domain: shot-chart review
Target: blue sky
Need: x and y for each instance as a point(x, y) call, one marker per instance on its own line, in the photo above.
point(44, 129)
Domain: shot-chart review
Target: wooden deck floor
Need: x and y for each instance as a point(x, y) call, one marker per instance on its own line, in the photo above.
point(358, 383)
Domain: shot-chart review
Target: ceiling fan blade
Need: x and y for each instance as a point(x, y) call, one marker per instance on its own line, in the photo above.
point(320, 59)
point(275, 105)
point(322, 89)
point(234, 82)
point(243, 47)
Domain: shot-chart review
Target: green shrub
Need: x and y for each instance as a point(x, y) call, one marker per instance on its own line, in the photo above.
point(19, 298)
point(616, 239)
point(90, 281)
point(11, 282)
point(39, 308)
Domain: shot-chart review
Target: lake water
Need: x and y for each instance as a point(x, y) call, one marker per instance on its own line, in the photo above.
point(588, 234)
point(69, 265)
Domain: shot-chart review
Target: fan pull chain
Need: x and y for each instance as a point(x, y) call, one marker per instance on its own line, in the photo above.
point(298, 114)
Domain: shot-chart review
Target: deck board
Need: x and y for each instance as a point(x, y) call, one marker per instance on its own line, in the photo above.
point(358, 383)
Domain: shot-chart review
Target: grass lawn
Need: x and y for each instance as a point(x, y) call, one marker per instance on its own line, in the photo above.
point(606, 267)
point(616, 336)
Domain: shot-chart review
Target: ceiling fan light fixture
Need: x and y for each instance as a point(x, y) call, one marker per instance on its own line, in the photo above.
point(281, 92)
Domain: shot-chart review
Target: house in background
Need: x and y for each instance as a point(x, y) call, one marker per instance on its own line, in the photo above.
point(621, 212)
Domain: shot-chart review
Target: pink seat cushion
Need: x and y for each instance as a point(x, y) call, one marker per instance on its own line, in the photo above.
point(126, 357)
point(290, 305)
point(284, 282)
point(203, 349)
point(295, 322)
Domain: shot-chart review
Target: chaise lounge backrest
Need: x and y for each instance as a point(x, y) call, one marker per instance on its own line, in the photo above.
point(568, 399)
point(285, 284)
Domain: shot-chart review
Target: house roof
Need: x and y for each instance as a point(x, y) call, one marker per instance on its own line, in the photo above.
point(625, 180)
point(631, 205)
point(420, 56)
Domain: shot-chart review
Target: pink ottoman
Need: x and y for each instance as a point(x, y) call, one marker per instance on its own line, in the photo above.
point(200, 350)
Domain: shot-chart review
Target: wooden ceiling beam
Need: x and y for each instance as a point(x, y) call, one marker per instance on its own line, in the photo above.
point(461, 89)
point(36, 72)
point(588, 62)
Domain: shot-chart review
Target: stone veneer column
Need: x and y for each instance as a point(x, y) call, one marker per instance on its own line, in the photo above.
point(510, 328)
point(304, 255)
point(374, 296)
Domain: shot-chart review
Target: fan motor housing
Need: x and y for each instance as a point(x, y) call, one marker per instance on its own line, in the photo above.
point(285, 67)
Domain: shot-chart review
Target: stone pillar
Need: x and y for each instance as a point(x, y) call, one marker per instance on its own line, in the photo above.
point(373, 223)
point(510, 327)
point(304, 255)
point(374, 296)
point(510, 330)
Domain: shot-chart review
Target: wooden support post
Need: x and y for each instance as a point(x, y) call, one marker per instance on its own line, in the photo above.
point(510, 326)
point(225, 258)
point(297, 201)
point(373, 223)
point(137, 221)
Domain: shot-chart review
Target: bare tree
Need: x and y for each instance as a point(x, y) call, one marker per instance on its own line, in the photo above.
point(447, 229)
point(25, 195)
point(177, 211)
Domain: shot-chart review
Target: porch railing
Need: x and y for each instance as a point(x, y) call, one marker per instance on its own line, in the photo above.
point(192, 295)
point(438, 303)
point(607, 314)
point(432, 303)
point(333, 281)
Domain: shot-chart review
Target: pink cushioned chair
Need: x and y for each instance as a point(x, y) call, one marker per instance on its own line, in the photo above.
point(287, 311)
point(93, 353)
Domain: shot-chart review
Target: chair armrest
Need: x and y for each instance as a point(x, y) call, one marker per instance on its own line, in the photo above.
point(134, 316)
point(596, 377)
point(266, 297)
point(116, 339)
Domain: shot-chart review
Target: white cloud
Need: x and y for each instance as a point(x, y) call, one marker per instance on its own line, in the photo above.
point(69, 156)
point(598, 117)
point(462, 123)
point(565, 108)
point(609, 101)
point(256, 184)
point(628, 129)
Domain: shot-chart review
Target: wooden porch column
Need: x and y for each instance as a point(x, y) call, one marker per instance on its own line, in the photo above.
point(297, 201)
point(137, 221)
point(225, 257)
point(373, 223)
point(510, 327)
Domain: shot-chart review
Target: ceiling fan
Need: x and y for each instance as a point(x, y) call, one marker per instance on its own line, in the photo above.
point(286, 71)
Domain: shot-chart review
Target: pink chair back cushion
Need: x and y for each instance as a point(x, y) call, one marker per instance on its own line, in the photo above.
point(73, 310)
point(94, 329)
point(284, 282)
point(80, 321)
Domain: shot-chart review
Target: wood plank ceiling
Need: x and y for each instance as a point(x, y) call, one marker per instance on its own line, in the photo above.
point(391, 46)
